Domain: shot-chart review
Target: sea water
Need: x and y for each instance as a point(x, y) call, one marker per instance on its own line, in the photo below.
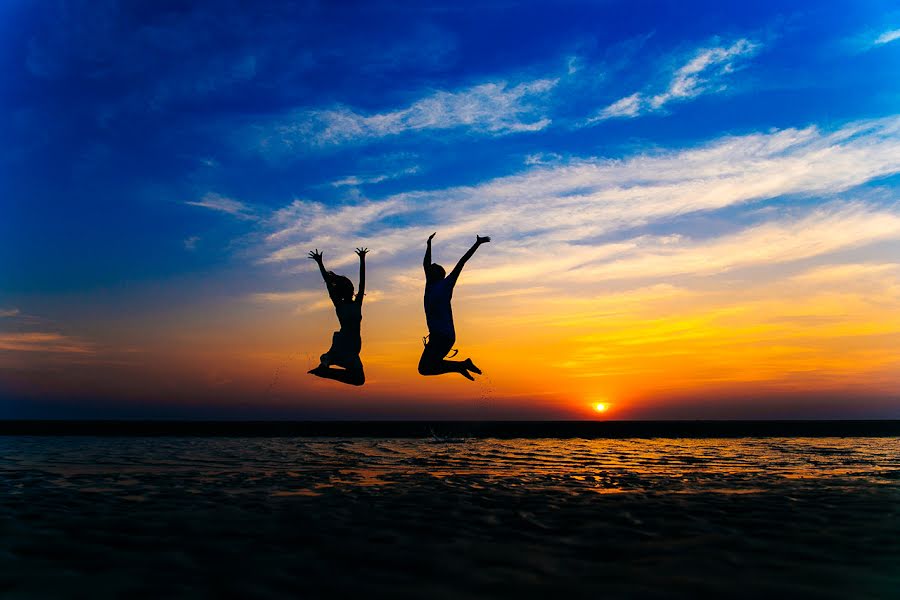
point(411, 518)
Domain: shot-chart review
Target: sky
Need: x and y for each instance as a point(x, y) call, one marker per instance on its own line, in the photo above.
point(694, 206)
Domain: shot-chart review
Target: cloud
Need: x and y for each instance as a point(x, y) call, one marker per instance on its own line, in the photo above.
point(550, 221)
point(701, 75)
point(629, 106)
point(191, 243)
point(495, 108)
point(292, 296)
point(43, 342)
point(867, 40)
point(819, 232)
point(219, 203)
point(887, 37)
point(844, 274)
point(34, 335)
point(306, 300)
point(579, 198)
point(693, 78)
point(354, 180)
point(317, 222)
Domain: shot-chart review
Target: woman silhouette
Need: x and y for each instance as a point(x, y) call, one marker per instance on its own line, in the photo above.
point(346, 343)
point(439, 315)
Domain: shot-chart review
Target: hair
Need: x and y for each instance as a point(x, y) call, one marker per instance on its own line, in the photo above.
point(340, 286)
point(435, 272)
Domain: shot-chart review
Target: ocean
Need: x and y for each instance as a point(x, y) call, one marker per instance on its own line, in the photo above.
point(163, 514)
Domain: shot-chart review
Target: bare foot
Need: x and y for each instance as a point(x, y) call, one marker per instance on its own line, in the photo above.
point(470, 366)
point(466, 374)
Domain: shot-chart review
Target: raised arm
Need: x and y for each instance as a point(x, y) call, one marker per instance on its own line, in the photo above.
point(361, 253)
point(479, 240)
point(426, 262)
point(317, 256)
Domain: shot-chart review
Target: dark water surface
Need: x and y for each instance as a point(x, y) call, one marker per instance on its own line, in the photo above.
point(310, 517)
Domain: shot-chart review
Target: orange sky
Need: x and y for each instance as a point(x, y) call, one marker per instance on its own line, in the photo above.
point(756, 346)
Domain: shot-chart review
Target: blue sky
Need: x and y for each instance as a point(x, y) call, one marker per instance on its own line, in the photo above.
point(115, 115)
point(165, 154)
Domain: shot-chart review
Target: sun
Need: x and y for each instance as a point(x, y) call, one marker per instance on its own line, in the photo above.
point(601, 407)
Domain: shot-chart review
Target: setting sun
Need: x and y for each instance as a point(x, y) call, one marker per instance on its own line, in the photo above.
point(601, 407)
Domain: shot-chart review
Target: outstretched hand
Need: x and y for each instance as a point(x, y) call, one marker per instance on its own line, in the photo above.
point(361, 252)
point(431, 236)
point(482, 239)
point(316, 255)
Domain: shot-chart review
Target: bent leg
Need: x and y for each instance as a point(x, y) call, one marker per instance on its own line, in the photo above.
point(439, 367)
point(349, 376)
point(433, 362)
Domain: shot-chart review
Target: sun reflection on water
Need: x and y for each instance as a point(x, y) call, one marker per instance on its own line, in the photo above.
point(286, 466)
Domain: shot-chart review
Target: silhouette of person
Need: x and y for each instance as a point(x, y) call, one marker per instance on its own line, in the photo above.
point(439, 316)
point(346, 343)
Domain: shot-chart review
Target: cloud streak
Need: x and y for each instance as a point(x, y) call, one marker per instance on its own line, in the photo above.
point(353, 180)
point(305, 301)
point(703, 74)
point(495, 108)
point(43, 342)
point(887, 37)
point(820, 232)
point(219, 203)
point(560, 210)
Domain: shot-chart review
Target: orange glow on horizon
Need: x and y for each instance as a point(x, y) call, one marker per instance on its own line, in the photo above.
point(640, 352)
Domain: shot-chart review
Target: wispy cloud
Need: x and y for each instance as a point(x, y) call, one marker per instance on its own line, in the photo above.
point(575, 201)
point(552, 223)
point(302, 300)
point(315, 221)
point(305, 300)
point(496, 108)
point(354, 180)
point(295, 296)
point(868, 39)
point(43, 342)
point(887, 37)
point(819, 232)
point(34, 335)
point(220, 203)
point(629, 106)
point(191, 243)
point(844, 273)
point(702, 74)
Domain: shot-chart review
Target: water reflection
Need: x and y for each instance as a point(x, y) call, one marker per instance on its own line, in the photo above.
point(291, 466)
point(479, 518)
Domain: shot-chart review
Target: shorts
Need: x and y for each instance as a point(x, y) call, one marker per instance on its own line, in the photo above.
point(439, 345)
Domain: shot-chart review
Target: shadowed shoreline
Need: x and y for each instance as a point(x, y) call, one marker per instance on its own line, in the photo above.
point(478, 518)
point(455, 429)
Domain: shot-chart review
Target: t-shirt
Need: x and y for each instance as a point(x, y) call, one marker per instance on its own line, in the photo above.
point(438, 313)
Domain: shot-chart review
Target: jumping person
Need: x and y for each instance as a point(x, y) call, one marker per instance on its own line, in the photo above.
point(439, 316)
point(346, 343)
